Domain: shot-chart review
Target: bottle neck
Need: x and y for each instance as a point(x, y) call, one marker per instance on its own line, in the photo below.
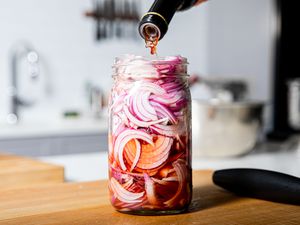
point(155, 22)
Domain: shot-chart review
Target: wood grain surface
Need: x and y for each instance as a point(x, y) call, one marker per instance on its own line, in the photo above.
point(88, 204)
point(17, 171)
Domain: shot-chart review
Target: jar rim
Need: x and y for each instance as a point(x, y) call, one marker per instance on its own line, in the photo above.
point(149, 66)
point(127, 59)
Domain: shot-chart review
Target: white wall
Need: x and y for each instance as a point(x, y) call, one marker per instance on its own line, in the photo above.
point(241, 35)
point(221, 37)
point(70, 56)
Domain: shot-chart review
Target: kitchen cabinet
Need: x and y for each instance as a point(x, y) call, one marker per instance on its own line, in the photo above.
point(55, 145)
point(55, 137)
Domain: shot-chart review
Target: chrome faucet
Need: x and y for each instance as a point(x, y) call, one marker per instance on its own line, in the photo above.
point(20, 50)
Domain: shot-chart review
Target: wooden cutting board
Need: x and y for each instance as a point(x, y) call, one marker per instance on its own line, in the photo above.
point(17, 171)
point(88, 204)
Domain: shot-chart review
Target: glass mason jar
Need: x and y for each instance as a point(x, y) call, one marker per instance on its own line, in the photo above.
point(150, 136)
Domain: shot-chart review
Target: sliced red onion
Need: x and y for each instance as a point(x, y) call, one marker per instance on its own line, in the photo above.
point(117, 171)
point(129, 206)
point(162, 154)
point(117, 104)
point(150, 172)
point(138, 122)
point(180, 168)
point(123, 118)
point(117, 124)
point(137, 154)
point(150, 190)
point(128, 183)
point(166, 130)
point(162, 66)
point(122, 194)
point(167, 99)
point(142, 107)
point(160, 81)
point(166, 171)
point(164, 112)
point(165, 181)
point(154, 157)
point(152, 88)
point(180, 141)
point(170, 179)
point(159, 181)
point(179, 113)
point(180, 104)
point(172, 87)
point(122, 140)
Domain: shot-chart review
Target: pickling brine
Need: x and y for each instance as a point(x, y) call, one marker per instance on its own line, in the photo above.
point(150, 135)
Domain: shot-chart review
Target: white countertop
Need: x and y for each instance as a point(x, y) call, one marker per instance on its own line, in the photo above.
point(53, 127)
point(92, 166)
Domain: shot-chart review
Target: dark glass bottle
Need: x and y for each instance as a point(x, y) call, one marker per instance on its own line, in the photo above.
point(155, 22)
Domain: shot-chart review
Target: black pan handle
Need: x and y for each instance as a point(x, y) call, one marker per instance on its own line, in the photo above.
point(261, 184)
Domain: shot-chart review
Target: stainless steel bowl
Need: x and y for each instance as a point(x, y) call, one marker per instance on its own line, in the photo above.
point(225, 129)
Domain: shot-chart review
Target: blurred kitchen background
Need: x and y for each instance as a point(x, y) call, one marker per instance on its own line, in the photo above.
point(57, 55)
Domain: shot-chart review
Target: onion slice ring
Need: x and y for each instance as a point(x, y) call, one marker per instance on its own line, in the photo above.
point(125, 137)
point(122, 194)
